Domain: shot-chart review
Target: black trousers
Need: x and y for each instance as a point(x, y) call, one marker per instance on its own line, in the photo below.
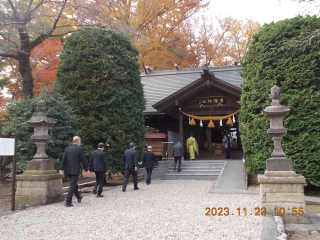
point(127, 173)
point(73, 189)
point(176, 159)
point(149, 172)
point(99, 181)
point(228, 152)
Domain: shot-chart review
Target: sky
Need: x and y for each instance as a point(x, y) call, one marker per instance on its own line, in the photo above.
point(263, 11)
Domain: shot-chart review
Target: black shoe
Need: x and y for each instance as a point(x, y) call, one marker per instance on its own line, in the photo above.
point(148, 183)
point(68, 205)
point(179, 170)
point(174, 169)
point(123, 189)
point(79, 199)
point(94, 191)
point(136, 188)
point(99, 196)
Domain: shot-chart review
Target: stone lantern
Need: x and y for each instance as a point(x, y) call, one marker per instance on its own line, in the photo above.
point(278, 160)
point(281, 189)
point(40, 183)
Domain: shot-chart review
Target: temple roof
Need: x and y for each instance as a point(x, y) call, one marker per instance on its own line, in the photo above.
point(158, 85)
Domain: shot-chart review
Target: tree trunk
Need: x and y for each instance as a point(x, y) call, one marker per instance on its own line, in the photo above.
point(24, 66)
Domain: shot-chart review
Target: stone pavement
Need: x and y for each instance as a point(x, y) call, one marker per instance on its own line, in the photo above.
point(165, 209)
point(272, 227)
point(232, 181)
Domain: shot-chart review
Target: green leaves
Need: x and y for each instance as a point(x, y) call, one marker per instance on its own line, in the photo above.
point(274, 58)
point(20, 111)
point(105, 92)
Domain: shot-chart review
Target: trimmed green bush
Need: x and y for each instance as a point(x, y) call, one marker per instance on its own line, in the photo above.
point(99, 75)
point(275, 57)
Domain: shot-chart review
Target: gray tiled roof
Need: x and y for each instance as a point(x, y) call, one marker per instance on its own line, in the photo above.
point(161, 84)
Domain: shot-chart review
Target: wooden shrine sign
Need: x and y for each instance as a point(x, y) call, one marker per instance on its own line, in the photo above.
point(211, 100)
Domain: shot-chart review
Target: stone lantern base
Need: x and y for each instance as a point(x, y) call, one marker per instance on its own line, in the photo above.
point(38, 186)
point(282, 194)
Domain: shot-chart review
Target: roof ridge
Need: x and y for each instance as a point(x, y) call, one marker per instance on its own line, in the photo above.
point(190, 70)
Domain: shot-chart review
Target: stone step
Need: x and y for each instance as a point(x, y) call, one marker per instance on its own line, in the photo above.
point(195, 172)
point(190, 176)
point(200, 164)
point(197, 168)
point(196, 161)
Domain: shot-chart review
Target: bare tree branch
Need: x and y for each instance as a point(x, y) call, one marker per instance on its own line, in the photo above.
point(9, 40)
point(9, 55)
point(306, 40)
point(48, 34)
point(14, 9)
point(15, 74)
point(26, 14)
point(38, 5)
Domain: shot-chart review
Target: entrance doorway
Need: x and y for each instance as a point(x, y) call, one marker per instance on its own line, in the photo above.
point(213, 147)
point(213, 139)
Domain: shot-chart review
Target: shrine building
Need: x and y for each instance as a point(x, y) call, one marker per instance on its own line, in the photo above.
point(203, 101)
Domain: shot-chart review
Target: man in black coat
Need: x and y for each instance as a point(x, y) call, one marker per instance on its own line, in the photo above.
point(227, 144)
point(130, 166)
point(177, 153)
point(149, 158)
point(72, 157)
point(98, 165)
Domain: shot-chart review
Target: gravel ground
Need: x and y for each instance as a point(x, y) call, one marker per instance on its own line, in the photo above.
point(165, 209)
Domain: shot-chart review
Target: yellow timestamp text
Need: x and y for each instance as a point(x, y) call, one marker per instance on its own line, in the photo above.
point(225, 211)
point(239, 212)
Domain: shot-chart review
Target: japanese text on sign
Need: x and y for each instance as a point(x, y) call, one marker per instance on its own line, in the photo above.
point(212, 100)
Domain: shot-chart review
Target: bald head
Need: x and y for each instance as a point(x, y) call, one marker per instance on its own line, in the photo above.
point(76, 140)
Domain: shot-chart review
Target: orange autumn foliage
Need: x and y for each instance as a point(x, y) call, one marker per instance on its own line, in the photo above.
point(44, 63)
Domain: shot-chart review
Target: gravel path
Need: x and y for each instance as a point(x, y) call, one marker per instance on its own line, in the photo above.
point(165, 209)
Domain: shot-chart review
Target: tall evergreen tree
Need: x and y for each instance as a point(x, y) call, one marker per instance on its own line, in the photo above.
point(278, 55)
point(100, 76)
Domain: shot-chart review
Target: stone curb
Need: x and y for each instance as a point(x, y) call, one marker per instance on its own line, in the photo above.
point(273, 228)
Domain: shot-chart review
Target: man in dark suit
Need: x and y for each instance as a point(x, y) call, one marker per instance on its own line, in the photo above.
point(98, 165)
point(130, 166)
point(177, 153)
point(72, 157)
point(149, 158)
point(228, 145)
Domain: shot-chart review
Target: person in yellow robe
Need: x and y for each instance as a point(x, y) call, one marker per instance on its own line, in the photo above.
point(192, 147)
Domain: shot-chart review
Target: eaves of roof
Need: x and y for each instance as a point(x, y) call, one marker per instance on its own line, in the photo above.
point(159, 85)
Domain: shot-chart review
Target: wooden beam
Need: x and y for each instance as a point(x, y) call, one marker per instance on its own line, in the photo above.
point(181, 128)
point(177, 103)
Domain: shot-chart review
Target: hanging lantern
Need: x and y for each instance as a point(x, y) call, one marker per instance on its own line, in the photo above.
point(192, 122)
point(221, 122)
point(233, 119)
point(211, 124)
point(229, 122)
point(201, 125)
